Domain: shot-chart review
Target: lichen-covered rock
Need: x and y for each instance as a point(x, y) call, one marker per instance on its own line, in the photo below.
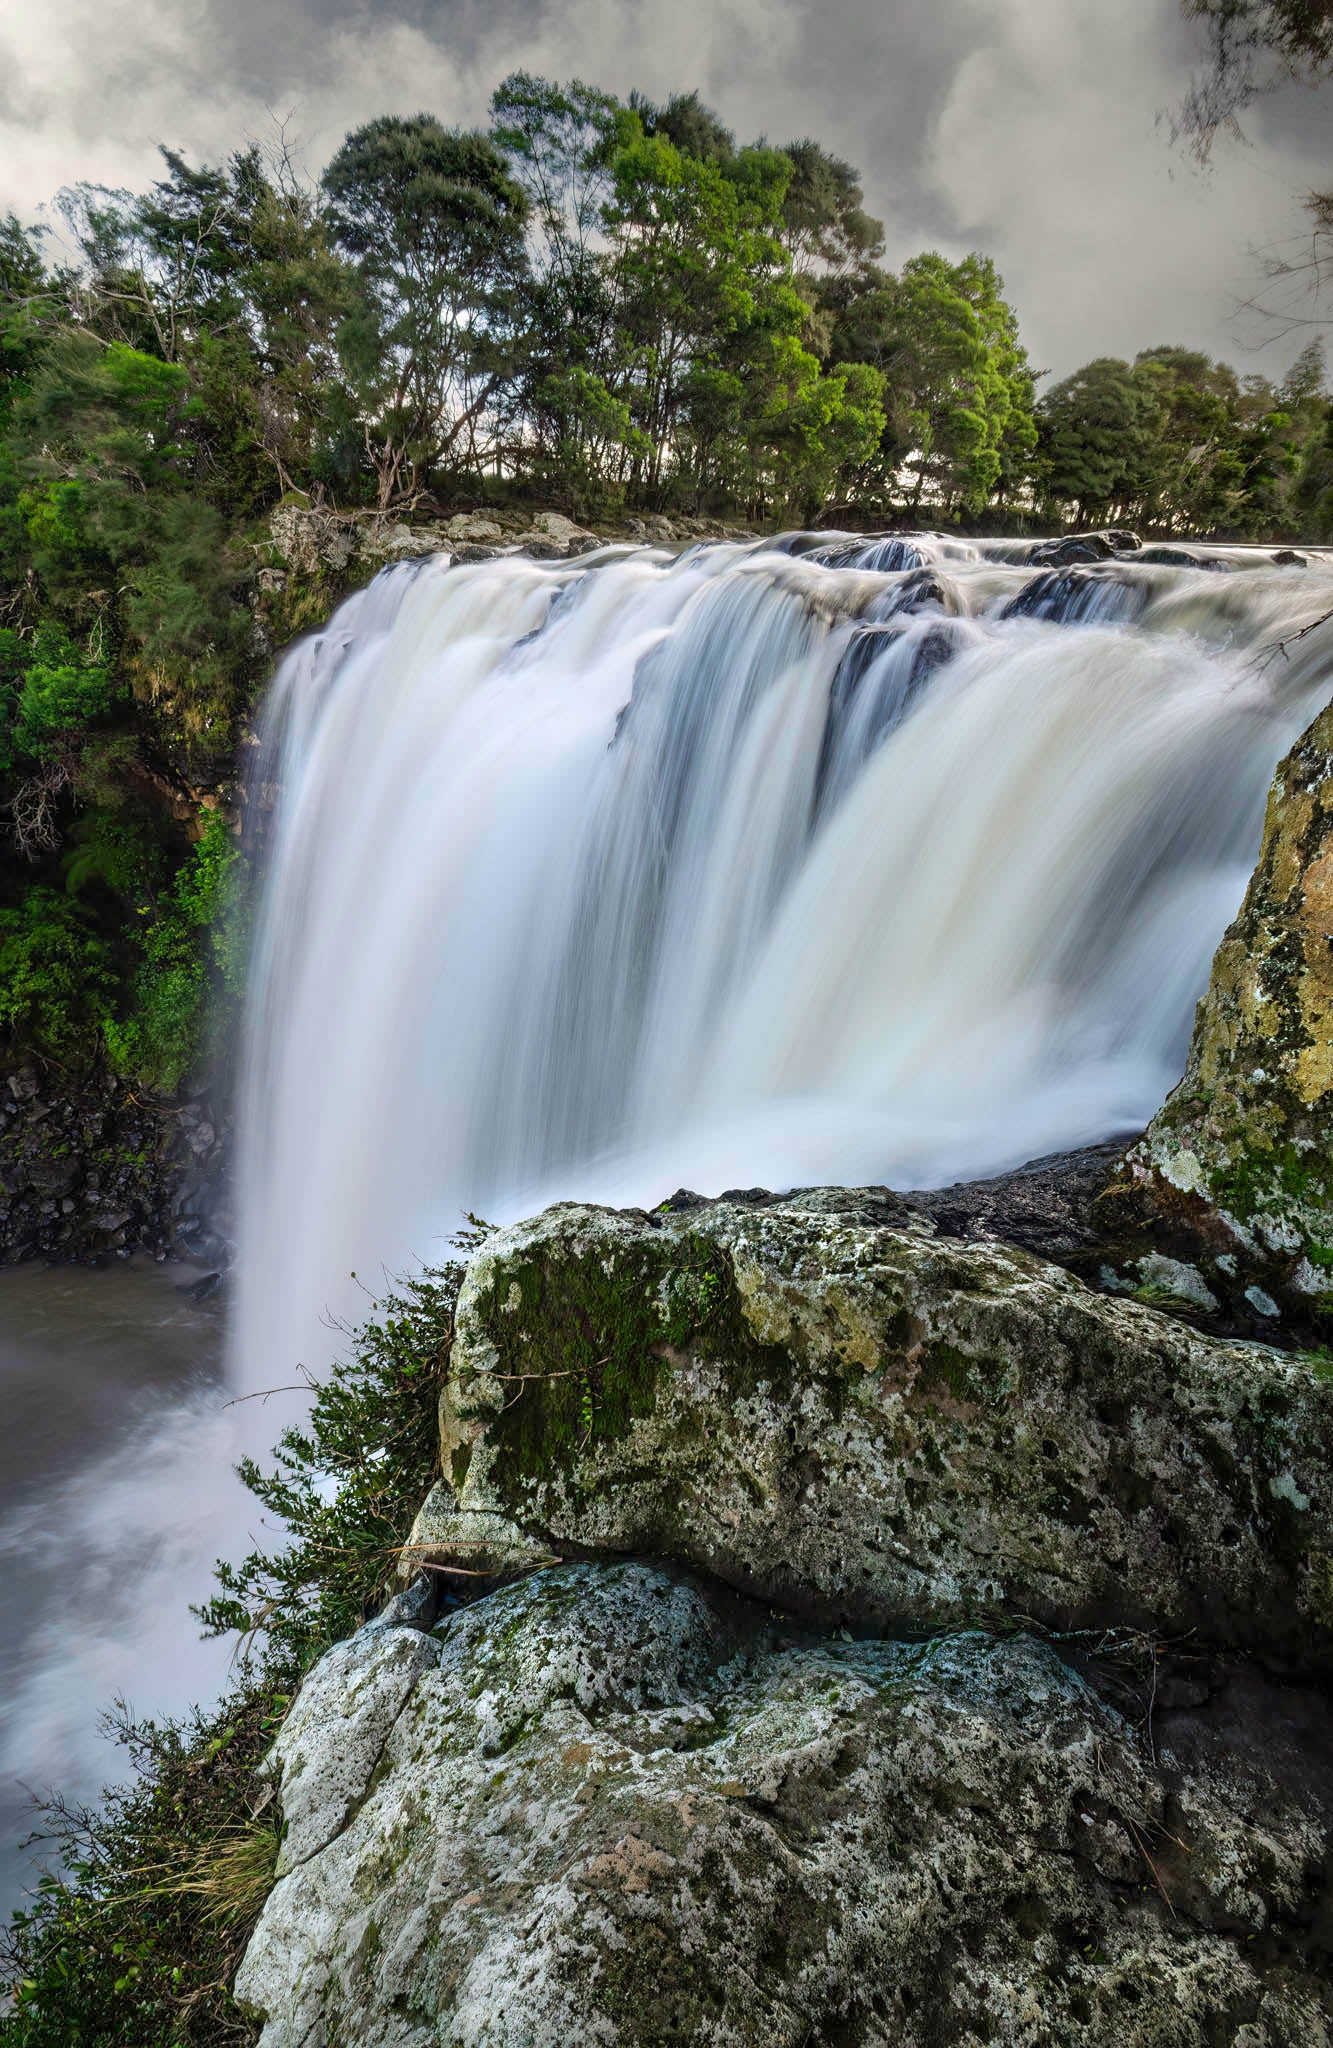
point(605, 1808)
point(878, 1424)
point(1240, 1157)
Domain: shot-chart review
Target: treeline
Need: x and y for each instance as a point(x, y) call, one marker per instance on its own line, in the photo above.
point(606, 306)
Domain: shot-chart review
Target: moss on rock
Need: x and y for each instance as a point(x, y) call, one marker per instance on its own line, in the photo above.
point(619, 1808)
point(877, 1424)
point(1237, 1166)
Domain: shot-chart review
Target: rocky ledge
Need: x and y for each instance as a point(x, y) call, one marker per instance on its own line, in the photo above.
point(1229, 1193)
point(874, 1423)
point(614, 1805)
point(874, 1636)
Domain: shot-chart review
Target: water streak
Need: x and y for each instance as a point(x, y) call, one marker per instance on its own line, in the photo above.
point(825, 859)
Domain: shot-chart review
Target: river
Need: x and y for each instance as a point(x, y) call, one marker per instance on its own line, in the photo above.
point(105, 1376)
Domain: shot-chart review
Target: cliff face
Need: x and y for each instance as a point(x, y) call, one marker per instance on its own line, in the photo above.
point(1241, 1154)
point(91, 1169)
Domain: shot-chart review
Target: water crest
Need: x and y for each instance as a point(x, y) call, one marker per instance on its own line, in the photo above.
point(829, 859)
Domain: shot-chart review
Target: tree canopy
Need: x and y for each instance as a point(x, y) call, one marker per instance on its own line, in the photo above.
point(611, 306)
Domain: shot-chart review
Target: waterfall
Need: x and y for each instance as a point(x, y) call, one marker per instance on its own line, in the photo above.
point(822, 859)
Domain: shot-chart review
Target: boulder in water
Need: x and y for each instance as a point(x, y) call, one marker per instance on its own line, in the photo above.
point(1082, 547)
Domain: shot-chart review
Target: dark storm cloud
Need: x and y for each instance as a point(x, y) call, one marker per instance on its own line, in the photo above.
point(1028, 128)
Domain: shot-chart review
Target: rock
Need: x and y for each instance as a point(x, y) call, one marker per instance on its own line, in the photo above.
point(1045, 1206)
point(1287, 558)
point(878, 1424)
point(1082, 547)
point(473, 526)
point(88, 1173)
point(1181, 558)
point(541, 547)
point(564, 532)
point(380, 542)
point(1235, 1172)
point(611, 1806)
point(311, 541)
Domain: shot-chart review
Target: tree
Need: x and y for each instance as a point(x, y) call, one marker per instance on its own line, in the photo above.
point(1252, 47)
point(685, 122)
point(698, 279)
point(960, 391)
point(825, 227)
point(559, 141)
point(434, 221)
point(1094, 439)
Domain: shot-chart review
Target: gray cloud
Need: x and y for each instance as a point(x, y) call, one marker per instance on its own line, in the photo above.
point(1028, 129)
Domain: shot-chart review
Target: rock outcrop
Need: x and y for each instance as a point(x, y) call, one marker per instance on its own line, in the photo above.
point(1234, 1176)
point(613, 1806)
point(89, 1169)
point(874, 1636)
point(874, 1424)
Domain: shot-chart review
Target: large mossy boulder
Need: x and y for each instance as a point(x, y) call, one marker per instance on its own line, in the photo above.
point(1234, 1175)
point(610, 1807)
point(878, 1425)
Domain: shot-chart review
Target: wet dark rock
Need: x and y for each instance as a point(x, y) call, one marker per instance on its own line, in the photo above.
point(921, 589)
point(88, 1174)
point(1166, 557)
point(1082, 547)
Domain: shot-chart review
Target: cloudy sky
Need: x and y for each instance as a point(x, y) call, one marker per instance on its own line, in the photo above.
point(1027, 128)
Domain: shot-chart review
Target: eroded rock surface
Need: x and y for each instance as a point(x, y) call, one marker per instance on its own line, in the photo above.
point(874, 1423)
point(609, 1806)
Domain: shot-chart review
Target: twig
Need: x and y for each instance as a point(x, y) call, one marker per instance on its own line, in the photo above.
point(297, 1387)
point(1156, 1873)
point(1268, 654)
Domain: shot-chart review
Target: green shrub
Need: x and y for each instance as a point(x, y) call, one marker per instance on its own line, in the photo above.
point(347, 1486)
point(192, 951)
point(57, 975)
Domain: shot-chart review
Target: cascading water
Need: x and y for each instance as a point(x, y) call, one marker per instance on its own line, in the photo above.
point(816, 860)
point(824, 859)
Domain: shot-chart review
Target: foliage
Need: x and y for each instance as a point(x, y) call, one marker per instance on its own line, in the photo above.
point(433, 221)
point(611, 305)
point(57, 976)
point(134, 1937)
point(198, 928)
point(1252, 46)
point(1176, 443)
point(345, 1488)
